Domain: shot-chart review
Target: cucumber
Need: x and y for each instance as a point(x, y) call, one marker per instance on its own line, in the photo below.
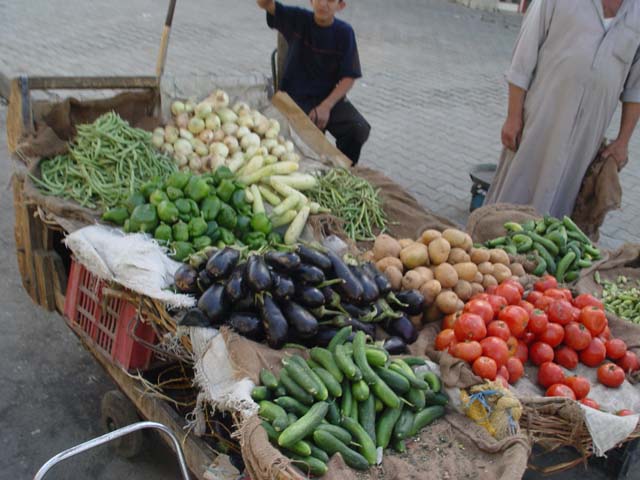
point(260, 393)
point(379, 405)
point(362, 438)
point(416, 398)
point(354, 410)
point(367, 416)
point(385, 394)
point(360, 391)
point(310, 465)
point(333, 413)
point(292, 417)
point(325, 358)
point(425, 417)
point(432, 379)
point(312, 364)
point(275, 414)
point(318, 453)
point(402, 368)
point(290, 404)
point(329, 382)
point(268, 379)
point(347, 398)
point(404, 425)
point(332, 445)
point(346, 365)
point(340, 433)
point(293, 389)
point(400, 446)
point(397, 382)
point(323, 392)
point(439, 398)
point(414, 361)
point(385, 425)
point(299, 371)
point(271, 432)
point(301, 448)
point(280, 391)
point(339, 338)
point(304, 426)
point(376, 357)
point(360, 357)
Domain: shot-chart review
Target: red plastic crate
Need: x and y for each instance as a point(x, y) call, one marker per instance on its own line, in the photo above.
point(107, 320)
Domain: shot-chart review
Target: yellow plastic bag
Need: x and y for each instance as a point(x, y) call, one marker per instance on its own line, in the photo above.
point(493, 407)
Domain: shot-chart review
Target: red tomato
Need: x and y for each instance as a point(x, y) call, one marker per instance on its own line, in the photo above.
point(629, 362)
point(586, 300)
point(589, 402)
point(594, 354)
point(497, 303)
point(449, 320)
point(480, 296)
point(560, 312)
point(555, 293)
point(560, 390)
point(510, 292)
point(491, 289)
point(610, 375)
point(567, 294)
point(624, 412)
point(579, 385)
point(444, 338)
point(470, 327)
point(499, 329)
point(550, 373)
point(616, 348)
point(575, 314)
point(538, 321)
point(553, 335)
point(545, 283)
point(468, 350)
point(485, 367)
point(503, 372)
point(480, 307)
point(528, 338)
point(516, 284)
point(496, 348)
point(516, 318)
point(567, 357)
point(452, 345)
point(522, 353)
point(515, 368)
point(576, 336)
point(527, 306)
point(540, 352)
point(544, 303)
point(534, 296)
point(512, 346)
point(594, 319)
point(605, 336)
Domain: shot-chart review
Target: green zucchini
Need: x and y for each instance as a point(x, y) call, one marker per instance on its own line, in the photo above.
point(347, 398)
point(433, 398)
point(433, 380)
point(275, 414)
point(414, 361)
point(333, 413)
point(299, 374)
point(416, 397)
point(271, 432)
point(318, 453)
point(376, 356)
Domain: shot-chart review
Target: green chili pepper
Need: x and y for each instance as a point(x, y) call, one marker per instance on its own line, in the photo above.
point(210, 207)
point(157, 197)
point(116, 215)
point(197, 227)
point(572, 227)
point(174, 193)
point(564, 264)
point(541, 267)
point(144, 218)
point(261, 223)
point(197, 189)
point(181, 232)
point(163, 233)
point(551, 264)
point(168, 212)
point(523, 243)
point(227, 217)
point(225, 190)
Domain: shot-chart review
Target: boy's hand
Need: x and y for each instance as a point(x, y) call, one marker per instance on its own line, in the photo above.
point(268, 5)
point(320, 116)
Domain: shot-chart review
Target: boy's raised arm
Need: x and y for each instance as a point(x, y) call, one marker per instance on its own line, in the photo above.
point(268, 5)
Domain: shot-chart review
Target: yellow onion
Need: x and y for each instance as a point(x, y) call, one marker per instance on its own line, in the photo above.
point(168, 148)
point(218, 135)
point(218, 148)
point(290, 157)
point(231, 143)
point(269, 143)
point(245, 121)
point(271, 133)
point(196, 125)
point(189, 106)
point(229, 128)
point(171, 134)
point(180, 160)
point(182, 120)
point(195, 164)
point(241, 109)
point(220, 99)
point(177, 108)
point(201, 149)
point(206, 136)
point(212, 122)
point(289, 146)
point(182, 147)
point(249, 140)
point(203, 110)
point(186, 134)
point(278, 151)
point(157, 140)
point(242, 131)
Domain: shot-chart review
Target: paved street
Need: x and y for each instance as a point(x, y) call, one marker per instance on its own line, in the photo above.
point(432, 89)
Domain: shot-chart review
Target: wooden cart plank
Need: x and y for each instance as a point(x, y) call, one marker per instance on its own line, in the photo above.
point(97, 83)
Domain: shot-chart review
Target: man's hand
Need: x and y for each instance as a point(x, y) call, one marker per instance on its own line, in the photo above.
point(619, 150)
point(320, 116)
point(268, 5)
point(511, 133)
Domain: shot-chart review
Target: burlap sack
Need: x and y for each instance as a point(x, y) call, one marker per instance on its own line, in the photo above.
point(487, 222)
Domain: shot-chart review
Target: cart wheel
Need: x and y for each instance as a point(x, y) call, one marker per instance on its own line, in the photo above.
point(117, 412)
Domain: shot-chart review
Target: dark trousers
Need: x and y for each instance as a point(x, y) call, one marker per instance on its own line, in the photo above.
point(346, 124)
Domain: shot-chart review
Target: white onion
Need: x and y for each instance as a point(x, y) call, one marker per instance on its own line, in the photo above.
point(278, 151)
point(242, 131)
point(220, 149)
point(281, 139)
point(185, 168)
point(245, 121)
point(218, 135)
point(168, 148)
point(261, 127)
point(177, 107)
point(186, 134)
point(202, 150)
point(182, 147)
point(270, 159)
point(231, 143)
point(158, 131)
point(220, 99)
point(195, 164)
point(227, 115)
point(182, 120)
point(271, 133)
point(237, 155)
point(249, 152)
point(189, 106)
point(275, 124)
point(203, 109)
point(248, 140)
point(181, 160)
point(262, 151)
point(229, 128)
point(241, 109)
point(269, 143)
point(290, 157)
point(214, 161)
point(157, 140)
point(196, 125)
point(171, 134)
point(289, 146)
point(212, 122)
point(206, 136)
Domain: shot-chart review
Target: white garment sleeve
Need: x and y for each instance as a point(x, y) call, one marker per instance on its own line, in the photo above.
point(533, 33)
point(631, 92)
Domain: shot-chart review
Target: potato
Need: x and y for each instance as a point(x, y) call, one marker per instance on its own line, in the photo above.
point(463, 290)
point(415, 255)
point(429, 235)
point(416, 320)
point(394, 276)
point(368, 256)
point(488, 281)
point(499, 256)
point(412, 280)
point(432, 314)
point(446, 275)
point(458, 255)
point(430, 290)
point(386, 246)
point(425, 273)
point(459, 305)
point(466, 271)
point(439, 250)
point(387, 262)
point(480, 255)
point(486, 268)
point(476, 287)
point(517, 269)
point(447, 302)
point(478, 278)
point(501, 272)
point(454, 236)
point(405, 242)
point(468, 243)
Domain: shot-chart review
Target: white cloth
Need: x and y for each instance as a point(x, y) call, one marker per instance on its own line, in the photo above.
point(607, 23)
point(574, 72)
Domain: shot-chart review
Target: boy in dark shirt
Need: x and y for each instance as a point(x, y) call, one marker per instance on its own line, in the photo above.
point(321, 67)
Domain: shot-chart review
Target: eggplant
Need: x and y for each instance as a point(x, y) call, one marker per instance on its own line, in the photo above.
point(235, 286)
point(314, 257)
point(382, 282)
point(210, 251)
point(204, 281)
point(351, 286)
point(354, 311)
point(402, 327)
point(283, 287)
point(283, 261)
point(257, 275)
point(194, 318)
point(248, 325)
point(413, 300)
point(323, 337)
point(186, 278)
point(309, 296)
point(214, 304)
point(222, 263)
point(370, 289)
point(342, 321)
point(302, 321)
point(275, 325)
point(309, 274)
point(395, 346)
point(245, 304)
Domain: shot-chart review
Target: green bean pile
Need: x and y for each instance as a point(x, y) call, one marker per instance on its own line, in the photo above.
point(621, 297)
point(108, 161)
point(354, 200)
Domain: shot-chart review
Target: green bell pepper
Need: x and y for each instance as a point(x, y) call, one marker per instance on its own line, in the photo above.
point(243, 226)
point(227, 217)
point(255, 240)
point(210, 207)
point(126, 228)
point(227, 237)
point(261, 223)
point(238, 199)
point(182, 250)
point(197, 227)
point(135, 199)
point(225, 190)
point(168, 212)
point(201, 242)
point(223, 173)
point(181, 231)
point(194, 210)
point(174, 193)
point(274, 238)
point(144, 218)
point(149, 187)
point(197, 188)
point(116, 215)
point(183, 205)
point(163, 234)
point(213, 231)
point(178, 180)
point(157, 197)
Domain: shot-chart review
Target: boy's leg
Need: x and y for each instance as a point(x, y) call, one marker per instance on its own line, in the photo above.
point(350, 129)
